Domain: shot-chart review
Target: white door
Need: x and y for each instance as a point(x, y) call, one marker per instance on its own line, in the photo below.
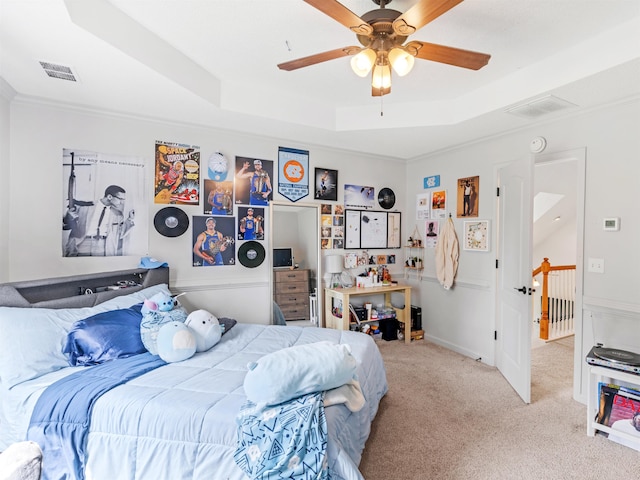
point(514, 313)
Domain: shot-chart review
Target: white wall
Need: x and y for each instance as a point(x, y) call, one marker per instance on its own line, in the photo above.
point(6, 93)
point(39, 133)
point(463, 318)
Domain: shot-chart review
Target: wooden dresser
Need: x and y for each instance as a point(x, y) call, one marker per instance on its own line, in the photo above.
point(291, 291)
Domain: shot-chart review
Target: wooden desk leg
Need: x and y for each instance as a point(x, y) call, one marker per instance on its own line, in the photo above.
point(407, 316)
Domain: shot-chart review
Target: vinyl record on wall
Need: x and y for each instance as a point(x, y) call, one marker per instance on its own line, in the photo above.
point(171, 222)
point(386, 198)
point(251, 254)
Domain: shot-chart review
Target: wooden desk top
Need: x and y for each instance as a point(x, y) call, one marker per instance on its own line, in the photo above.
point(369, 290)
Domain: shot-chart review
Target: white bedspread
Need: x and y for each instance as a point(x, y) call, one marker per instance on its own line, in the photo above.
point(178, 421)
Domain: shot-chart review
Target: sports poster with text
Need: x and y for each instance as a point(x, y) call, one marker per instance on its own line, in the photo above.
point(177, 175)
point(293, 173)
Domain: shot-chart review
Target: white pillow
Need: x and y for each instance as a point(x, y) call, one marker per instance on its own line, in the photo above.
point(291, 372)
point(32, 339)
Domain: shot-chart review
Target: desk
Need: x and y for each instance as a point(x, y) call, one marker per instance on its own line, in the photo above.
point(342, 295)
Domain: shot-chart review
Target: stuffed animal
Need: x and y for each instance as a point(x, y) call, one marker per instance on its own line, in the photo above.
point(206, 329)
point(176, 342)
point(156, 311)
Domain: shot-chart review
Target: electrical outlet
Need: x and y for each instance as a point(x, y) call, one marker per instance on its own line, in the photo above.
point(596, 265)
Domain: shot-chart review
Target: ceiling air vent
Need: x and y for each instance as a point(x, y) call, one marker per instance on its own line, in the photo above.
point(62, 72)
point(539, 107)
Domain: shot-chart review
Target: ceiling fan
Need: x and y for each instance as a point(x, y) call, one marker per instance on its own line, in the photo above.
point(382, 33)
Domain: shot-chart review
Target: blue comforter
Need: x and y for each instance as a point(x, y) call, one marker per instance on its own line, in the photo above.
point(60, 419)
point(178, 421)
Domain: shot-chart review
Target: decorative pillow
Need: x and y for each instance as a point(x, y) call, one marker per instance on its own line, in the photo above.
point(205, 328)
point(175, 342)
point(226, 324)
point(32, 339)
point(105, 336)
point(291, 372)
point(151, 323)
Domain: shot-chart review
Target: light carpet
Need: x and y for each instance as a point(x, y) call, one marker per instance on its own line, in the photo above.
point(447, 416)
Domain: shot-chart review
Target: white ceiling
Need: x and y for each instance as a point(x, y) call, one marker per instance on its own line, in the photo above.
point(213, 63)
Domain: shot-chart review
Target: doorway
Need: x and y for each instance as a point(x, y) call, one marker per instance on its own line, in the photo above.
point(297, 226)
point(515, 225)
point(558, 226)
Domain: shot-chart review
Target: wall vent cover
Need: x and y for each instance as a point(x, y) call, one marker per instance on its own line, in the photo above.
point(540, 107)
point(62, 72)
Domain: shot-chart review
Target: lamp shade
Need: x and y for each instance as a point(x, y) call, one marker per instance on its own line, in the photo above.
point(401, 61)
point(334, 263)
point(381, 77)
point(362, 63)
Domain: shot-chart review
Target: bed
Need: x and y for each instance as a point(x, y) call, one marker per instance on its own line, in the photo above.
point(177, 420)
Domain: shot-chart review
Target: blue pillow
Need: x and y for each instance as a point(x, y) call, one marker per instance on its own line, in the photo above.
point(105, 336)
point(294, 371)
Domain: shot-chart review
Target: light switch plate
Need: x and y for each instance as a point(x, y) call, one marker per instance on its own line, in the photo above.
point(596, 265)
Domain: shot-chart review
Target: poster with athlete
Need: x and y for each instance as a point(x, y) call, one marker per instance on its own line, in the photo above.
point(253, 181)
point(177, 174)
point(213, 241)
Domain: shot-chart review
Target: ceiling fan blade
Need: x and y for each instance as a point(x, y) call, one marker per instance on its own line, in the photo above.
point(318, 58)
point(449, 55)
point(420, 14)
point(342, 15)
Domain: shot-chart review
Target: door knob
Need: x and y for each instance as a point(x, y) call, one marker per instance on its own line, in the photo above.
point(523, 290)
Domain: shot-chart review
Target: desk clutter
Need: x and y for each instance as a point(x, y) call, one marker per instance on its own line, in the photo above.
point(382, 323)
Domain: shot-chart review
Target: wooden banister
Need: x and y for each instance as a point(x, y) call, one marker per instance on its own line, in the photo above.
point(544, 268)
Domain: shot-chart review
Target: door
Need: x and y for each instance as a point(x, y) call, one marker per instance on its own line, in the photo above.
point(514, 313)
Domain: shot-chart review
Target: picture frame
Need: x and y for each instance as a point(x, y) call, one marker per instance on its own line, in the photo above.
point(351, 229)
point(326, 184)
point(373, 229)
point(394, 229)
point(476, 235)
point(468, 194)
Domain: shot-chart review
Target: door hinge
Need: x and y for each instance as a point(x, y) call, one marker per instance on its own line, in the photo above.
point(496, 263)
point(495, 335)
point(497, 191)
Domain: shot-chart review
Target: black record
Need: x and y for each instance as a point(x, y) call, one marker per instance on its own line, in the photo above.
point(171, 222)
point(251, 254)
point(386, 198)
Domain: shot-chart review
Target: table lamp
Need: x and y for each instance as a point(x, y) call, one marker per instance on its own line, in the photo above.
point(334, 267)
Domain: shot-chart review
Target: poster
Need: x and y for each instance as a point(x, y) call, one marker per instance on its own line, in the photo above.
point(359, 196)
point(104, 207)
point(177, 174)
point(253, 181)
point(293, 173)
point(213, 241)
point(439, 204)
point(468, 193)
point(326, 184)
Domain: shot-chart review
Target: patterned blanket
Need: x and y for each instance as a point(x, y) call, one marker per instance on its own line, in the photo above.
point(288, 440)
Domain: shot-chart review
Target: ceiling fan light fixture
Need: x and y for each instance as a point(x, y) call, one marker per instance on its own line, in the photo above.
point(381, 77)
point(362, 63)
point(401, 61)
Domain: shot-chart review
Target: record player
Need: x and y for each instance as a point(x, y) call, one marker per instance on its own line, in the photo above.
point(615, 358)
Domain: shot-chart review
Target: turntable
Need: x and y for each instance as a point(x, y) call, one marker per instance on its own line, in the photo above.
point(614, 358)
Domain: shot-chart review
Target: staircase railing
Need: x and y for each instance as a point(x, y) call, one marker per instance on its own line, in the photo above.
point(557, 300)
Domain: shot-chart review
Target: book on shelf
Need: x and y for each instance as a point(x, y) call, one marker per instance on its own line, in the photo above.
point(620, 410)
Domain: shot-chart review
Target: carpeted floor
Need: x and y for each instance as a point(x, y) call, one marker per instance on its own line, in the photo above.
point(447, 416)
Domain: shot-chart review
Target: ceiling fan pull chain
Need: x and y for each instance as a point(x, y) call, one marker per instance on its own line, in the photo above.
point(381, 106)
